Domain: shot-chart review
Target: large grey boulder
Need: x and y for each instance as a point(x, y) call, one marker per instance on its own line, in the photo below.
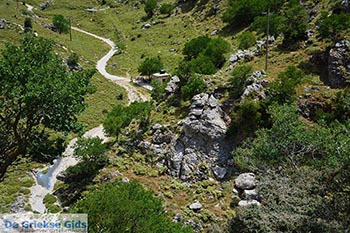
point(246, 181)
point(339, 65)
point(201, 148)
point(245, 203)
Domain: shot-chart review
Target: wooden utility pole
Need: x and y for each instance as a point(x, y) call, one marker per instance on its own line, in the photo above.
point(267, 39)
point(70, 28)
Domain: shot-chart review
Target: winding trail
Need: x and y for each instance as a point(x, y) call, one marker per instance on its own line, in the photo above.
point(38, 192)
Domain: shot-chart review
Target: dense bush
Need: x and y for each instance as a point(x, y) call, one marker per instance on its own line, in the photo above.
point(91, 151)
point(246, 40)
point(166, 9)
point(150, 7)
point(237, 82)
point(195, 85)
point(120, 116)
point(61, 23)
point(126, 207)
point(334, 26)
point(282, 90)
point(150, 66)
point(73, 59)
point(294, 24)
point(242, 12)
point(28, 26)
point(245, 120)
point(203, 55)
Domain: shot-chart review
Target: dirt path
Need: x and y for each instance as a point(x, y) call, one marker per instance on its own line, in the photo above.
point(38, 192)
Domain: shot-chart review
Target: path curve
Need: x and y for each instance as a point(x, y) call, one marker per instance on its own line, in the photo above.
point(133, 93)
point(38, 192)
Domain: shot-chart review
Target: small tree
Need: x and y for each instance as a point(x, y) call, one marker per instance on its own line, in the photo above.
point(246, 40)
point(150, 66)
point(158, 89)
point(28, 24)
point(240, 74)
point(166, 9)
point(62, 24)
point(294, 24)
point(332, 27)
point(150, 7)
point(194, 86)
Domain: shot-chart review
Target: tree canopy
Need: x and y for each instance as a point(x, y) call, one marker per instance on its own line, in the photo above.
point(36, 93)
point(61, 23)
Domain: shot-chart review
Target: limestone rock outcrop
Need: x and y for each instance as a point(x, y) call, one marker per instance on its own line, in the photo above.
point(201, 149)
point(339, 65)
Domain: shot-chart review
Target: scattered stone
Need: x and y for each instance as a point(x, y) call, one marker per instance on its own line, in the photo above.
point(235, 191)
point(157, 126)
point(172, 85)
point(91, 10)
point(219, 172)
point(250, 195)
point(234, 201)
point(2, 23)
point(147, 25)
point(196, 206)
point(177, 218)
point(245, 203)
point(125, 180)
point(246, 181)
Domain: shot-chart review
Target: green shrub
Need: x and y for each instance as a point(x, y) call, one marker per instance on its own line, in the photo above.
point(237, 82)
point(61, 23)
point(166, 9)
point(282, 90)
point(246, 40)
point(121, 116)
point(125, 207)
point(73, 59)
point(49, 199)
point(333, 27)
point(150, 7)
point(158, 90)
point(150, 66)
point(195, 85)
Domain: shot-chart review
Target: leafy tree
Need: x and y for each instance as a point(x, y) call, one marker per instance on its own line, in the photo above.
point(92, 151)
point(246, 40)
point(240, 74)
point(242, 12)
point(204, 55)
point(150, 7)
point(215, 51)
point(334, 26)
point(61, 23)
point(195, 46)
point(126, 207)
point(166, 9)
point(194, 86)
point(245, 119)
point(36, 93)
point(150, 66)
point(294, 24)
point(120, 116)
point(201, 65)
point(28, 26)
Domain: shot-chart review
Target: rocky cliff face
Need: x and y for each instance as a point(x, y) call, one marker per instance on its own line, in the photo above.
point(339, 65)
point(201, 149)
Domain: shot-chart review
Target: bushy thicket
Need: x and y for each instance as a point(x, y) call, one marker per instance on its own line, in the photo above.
point(246, 40)
point(194, 86)
point(333, 26)
point(150, 66)
point(304, 176)
point(203, 55)
point(237, 81)
point(126, 207)
point(121, 116)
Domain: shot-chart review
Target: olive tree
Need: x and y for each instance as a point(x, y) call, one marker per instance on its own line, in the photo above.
point(36, 93)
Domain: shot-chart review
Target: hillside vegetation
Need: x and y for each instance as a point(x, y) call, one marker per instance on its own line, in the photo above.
point(235, 104)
